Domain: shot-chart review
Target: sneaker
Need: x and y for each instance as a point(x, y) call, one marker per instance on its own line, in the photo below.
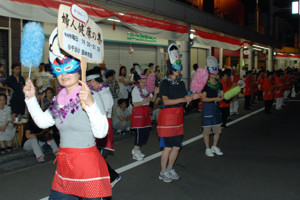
point(139, 152)
point(237, 113)
point(136, 156)
point(174, 175)
point(216, 150)
point(165, 176)
point(209, 153)
point(112, 184)
point(119, 132)
point(128, 129)
point(41, 159)
point(3, 150)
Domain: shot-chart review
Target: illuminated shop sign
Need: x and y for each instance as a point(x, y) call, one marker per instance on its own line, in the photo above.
point(140, 37)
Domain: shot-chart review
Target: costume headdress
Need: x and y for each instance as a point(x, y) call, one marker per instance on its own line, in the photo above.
point(139, 70)
point(93, 74)
point(60, 63)
point(212, 65)
point(175, 59)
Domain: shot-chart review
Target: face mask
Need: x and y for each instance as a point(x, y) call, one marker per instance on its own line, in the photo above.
point(177, 66)
point(65, 66)
point(213, 70)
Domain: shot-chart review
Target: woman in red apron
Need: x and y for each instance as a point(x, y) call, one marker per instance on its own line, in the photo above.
point(141, 117)
point(81, 171)
point(170, 118)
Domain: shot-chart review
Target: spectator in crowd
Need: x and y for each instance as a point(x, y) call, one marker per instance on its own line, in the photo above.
point(35, 138)
point(54, 82)
point(43, 79)
point(47, 98)
point(103, 70)
point(113, 86)
point(156, 109)
point(125, 84)
point(3, 76)
point(131, 75)
point(195, 67)
point(121, 120)
point(146, 72)
point(15, 84)
point(151, 67)
point(7, 131)
point(158, 75)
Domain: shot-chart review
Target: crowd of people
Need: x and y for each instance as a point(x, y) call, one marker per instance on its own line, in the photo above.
point(129, 109)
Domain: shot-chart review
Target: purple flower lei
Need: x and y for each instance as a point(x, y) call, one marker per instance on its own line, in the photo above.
point(141, 92)
point(62, 112)
point(104, 85)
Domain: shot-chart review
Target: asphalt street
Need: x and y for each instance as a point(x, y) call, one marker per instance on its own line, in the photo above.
point(261, 161)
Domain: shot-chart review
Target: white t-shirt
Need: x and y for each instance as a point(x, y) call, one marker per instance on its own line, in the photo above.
point(124, 89)
point(43, 79)
point(136, 97)
point(107, 100)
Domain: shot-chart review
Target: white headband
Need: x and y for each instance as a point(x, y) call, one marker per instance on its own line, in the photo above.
point(93, 76)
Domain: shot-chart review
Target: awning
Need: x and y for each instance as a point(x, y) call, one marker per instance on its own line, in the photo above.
point(286, 56)
point(46, 11)
point(215, 40)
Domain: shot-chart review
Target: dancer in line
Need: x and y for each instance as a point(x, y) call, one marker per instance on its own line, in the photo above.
point(81, 170)
point(95, 82)
point(141, 117)
point(211, 116)
point(268, 92)
point(225, 104)
point(170, 119)
point(234, 102)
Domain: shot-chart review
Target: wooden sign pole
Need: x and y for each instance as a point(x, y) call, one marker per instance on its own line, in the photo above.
point(83, 65)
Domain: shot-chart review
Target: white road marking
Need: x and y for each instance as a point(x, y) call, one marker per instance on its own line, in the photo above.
point(158, 154)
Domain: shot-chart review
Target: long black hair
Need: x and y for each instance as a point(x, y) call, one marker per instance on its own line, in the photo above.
point(120, 71)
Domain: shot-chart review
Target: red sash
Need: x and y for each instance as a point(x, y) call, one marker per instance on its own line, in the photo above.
point(140, 117)
point(107, 142)
point(82, 172)
point(170, 122)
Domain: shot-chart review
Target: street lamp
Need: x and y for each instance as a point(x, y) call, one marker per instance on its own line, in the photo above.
point(296, 10)
point(295, 7)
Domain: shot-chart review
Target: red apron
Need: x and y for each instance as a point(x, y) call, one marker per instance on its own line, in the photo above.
point(107, 142)
point(82, 172)
point(140, 117)
point(170, 122)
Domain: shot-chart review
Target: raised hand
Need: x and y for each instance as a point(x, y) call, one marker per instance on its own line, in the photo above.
point(29, 89)
point(85, 94)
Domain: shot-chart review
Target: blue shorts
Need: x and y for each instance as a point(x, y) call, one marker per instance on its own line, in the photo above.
point(170, 142)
